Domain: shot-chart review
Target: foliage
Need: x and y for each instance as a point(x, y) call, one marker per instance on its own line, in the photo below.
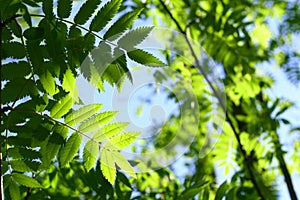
point(54, 146)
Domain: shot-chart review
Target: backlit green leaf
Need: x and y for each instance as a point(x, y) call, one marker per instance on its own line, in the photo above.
point(48, 82)
point(90, 154)
point(82, 114)
point(96, 122)
point(109, 131)
point(107, 165)
point(123, 163)
point(123, 140)
point(62, 107)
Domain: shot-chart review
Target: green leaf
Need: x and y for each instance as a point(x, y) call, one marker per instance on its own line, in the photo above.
point(145, 58)
point(86, 11)
point(48, 8)
point(34, 33)
point(62, 107)
point(13, 50)
point(21, 69)
point(123, 163)
point(26, 180)
point(24, 165)
point(96, 122)
point(122, 24)
point(82, 114)
point(122, 140)
point(70, 149)
point(48, 82)
point(107, 165)
point(221, 192)
point(69, 84)
point(134, 37)
point(14, 190)
point(90, 154)
point(64, 8)
point(26, 15)
point(105, 14)
point(15, 28)
point(109, 131)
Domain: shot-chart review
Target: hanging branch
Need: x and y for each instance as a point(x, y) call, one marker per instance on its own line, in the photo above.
point(248, 164)
point(1, 179)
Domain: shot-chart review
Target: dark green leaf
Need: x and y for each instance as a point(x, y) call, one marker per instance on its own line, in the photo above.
point(64, 8)
point(70, 149)
point(86, 11)
point(13, 50)
point(34, 33)
point(105, 14)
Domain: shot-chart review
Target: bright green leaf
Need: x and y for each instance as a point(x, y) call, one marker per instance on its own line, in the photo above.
point(90, 154)
point(123, 140)
point(48, 82)
point(96, 122)
point(62, 107)
point(107, 165)
point(123, 163)
point(82, 114)
point(109, 131)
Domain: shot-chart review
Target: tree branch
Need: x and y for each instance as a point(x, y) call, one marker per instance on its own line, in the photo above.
point(283, 167)
point(244, 153)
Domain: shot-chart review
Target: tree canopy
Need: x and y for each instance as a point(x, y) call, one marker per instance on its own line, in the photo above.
point(225, 140)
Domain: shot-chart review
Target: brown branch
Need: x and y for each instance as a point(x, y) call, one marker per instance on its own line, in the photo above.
point(1, 179)
point(283, 167)
point(248, 164)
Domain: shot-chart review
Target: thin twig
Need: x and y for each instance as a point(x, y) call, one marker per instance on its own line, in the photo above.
point(244, 153)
